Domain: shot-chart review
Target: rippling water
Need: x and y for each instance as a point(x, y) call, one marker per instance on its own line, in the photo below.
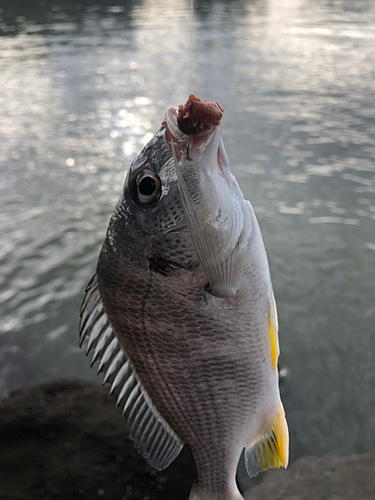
point(84, 86)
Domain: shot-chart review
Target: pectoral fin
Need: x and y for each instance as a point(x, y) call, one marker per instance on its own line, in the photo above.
point(221, 271)
point(271, 450)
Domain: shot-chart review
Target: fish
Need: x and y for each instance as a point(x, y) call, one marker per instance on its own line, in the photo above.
point(181, 314)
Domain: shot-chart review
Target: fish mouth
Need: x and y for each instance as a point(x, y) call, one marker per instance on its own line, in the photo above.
point(192, 126)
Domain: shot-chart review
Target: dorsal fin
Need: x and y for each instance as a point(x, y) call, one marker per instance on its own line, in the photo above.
point(150, 433)
point(272, 327)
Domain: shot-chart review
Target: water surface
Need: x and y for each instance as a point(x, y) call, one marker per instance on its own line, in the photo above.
point(84, 87)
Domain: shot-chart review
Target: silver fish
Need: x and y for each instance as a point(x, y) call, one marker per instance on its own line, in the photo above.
point(181, 313)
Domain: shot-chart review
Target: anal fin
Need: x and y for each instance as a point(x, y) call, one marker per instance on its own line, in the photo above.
point(271, 450)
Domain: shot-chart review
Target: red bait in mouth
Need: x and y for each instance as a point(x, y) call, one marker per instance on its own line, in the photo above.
point(197, 115)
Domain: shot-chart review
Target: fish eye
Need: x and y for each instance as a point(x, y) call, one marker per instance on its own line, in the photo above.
point(146, 188)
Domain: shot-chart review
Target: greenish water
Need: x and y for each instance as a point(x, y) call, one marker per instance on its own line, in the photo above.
point(85, 85)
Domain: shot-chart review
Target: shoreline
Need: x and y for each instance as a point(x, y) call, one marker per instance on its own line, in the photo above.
point(67, 440)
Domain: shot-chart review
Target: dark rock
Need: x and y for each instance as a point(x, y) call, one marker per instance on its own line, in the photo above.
point(67, 440)
point(320, 478)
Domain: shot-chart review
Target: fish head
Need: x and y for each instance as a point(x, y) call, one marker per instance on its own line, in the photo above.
point(180, 203)
point(149, 220)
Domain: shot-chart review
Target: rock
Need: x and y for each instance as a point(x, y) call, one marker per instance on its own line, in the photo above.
point(324, 478)
point(67, 440)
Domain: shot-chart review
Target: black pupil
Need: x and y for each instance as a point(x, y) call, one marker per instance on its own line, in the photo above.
point(147, 186)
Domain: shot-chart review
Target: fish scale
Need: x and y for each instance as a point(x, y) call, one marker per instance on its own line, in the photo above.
point(188, 339)
point(164, 348)
point(197, 406)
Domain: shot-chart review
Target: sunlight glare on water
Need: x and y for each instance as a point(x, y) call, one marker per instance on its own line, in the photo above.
point(84, 88)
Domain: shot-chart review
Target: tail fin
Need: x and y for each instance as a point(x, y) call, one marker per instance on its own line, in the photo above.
point(199, 493)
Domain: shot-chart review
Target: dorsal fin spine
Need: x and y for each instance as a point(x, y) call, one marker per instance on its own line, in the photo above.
point(157, 441)
point(90, 320)
point(163, 443)
point(102, 344)
point(90, 317)
point(151, 424)
point(126, 389)
point(136, 427)
point(122, 375)
point(114, 367)
point(146, 419)
point(96, 331)
point(90, 289)
point(151, 434)
point(130, 400)
point(110, 351)
point(85, 315)
point(135, 410)
point(88, 304)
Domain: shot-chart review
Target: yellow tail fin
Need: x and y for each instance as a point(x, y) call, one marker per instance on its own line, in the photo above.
point(272, 449)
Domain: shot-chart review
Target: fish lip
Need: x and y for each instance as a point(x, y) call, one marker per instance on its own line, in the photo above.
point(171, 125)
point(188, 146)
point(172, 134)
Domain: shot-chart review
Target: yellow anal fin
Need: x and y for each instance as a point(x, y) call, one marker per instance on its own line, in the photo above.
point(273, 332)
point(271, 451)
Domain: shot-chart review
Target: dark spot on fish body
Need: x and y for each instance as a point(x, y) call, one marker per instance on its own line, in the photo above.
point(207, 289)
point(164, 267)
point(161, 267)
